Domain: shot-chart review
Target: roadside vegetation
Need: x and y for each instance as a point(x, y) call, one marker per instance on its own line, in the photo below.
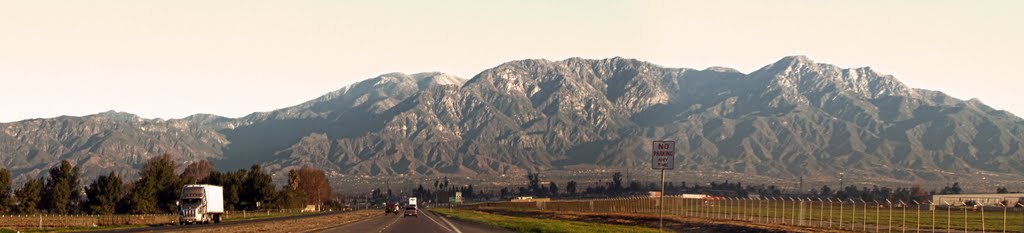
point(60, 191)
point(525, 224)
point(63, 200)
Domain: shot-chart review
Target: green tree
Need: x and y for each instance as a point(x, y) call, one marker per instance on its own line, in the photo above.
point(570, 188)
point(197, 171)
point(826, 191)
point(955, 189)
point(29, 196)
point(157, 187)
point(616, 184)
point(5, 190)
point(233, 186)
point(1002, 190)
point(259, 188)
point(291, 196)
point(104, 194)
point(61, 191)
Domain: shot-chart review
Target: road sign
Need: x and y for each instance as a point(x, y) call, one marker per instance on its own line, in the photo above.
point(663, 155)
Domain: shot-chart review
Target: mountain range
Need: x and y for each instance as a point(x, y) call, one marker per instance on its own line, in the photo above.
point(791, 118)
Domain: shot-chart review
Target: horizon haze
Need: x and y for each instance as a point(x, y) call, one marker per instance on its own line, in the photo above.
point(231, 58)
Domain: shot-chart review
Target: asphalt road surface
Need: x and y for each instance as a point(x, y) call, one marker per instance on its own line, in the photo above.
point(426, 222)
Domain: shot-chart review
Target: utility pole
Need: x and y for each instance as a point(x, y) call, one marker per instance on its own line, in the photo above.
point(801, 187)
point(628, 179)
point(841, 187)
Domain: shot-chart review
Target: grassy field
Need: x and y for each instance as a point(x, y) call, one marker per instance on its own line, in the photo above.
point(813, 214)
point(29, 223)
point(67, 229)
point(524, 224)
point(259, 215)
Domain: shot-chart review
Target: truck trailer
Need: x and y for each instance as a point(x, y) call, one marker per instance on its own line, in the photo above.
point(201, 203)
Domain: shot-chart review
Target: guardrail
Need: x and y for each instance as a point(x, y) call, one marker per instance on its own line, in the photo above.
point(848, 214)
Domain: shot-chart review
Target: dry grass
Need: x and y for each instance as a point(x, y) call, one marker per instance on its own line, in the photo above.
point(295, 225)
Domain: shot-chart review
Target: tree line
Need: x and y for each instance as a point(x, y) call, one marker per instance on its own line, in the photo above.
point(443, 189)
point(157, 189)
point(618, 187)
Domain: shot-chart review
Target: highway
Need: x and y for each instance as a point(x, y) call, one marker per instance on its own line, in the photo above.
point(427, 222)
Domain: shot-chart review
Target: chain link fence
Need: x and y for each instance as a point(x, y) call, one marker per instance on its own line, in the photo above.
point(825, 213)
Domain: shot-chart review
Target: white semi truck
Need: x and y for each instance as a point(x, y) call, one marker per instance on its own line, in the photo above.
point(201, 203)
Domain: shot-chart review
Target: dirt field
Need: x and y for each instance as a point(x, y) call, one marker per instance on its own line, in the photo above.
point(33, 222)
point(293, 225)
point(674, 223)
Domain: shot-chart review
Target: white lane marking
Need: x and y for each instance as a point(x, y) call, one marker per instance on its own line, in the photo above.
point(389, 225)
point(436, 222)
point(450, 224)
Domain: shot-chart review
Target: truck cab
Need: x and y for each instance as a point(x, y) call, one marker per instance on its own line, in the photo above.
point(200, 204)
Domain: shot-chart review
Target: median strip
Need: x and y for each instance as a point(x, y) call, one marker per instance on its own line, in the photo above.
point(526, 224)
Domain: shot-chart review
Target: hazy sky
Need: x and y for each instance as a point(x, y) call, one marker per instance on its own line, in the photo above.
point(171, 59)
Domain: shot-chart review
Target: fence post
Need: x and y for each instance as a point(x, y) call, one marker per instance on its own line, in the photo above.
point(878, 215)
point(762, 206)
point(702, 206)
point(864, 214)
point(949, 216)
point(746, 212)
point(903, 225)
point(821, 213)
point(767, 210)
point(918, 207)
point(752, 202)
point(982, 217)
point(890, 214)
point(841, 213)
point(933, 209)
point(829, 212)
point(1004, 217)
point(728, 208)
point(1022, 216)
point(783, 210)
point(777, 204)
point(965, 216)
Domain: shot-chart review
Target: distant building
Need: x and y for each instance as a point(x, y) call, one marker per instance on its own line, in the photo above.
point(530, 199)
point(311, 208)
point(979, 199)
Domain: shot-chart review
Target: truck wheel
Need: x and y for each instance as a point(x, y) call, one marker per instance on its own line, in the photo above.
point(216, 218)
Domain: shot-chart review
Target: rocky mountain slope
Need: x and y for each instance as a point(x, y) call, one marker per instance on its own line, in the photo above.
point(794, 117)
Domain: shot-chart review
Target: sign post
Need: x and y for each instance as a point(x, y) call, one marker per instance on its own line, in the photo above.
point(663, 157)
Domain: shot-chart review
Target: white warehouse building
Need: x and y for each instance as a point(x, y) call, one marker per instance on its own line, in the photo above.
point(981, 199)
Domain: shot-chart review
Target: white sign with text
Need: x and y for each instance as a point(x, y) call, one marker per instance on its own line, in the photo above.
point(663, 155)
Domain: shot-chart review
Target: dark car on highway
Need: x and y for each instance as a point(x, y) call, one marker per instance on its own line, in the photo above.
point(411, 211)
point(391, 208)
